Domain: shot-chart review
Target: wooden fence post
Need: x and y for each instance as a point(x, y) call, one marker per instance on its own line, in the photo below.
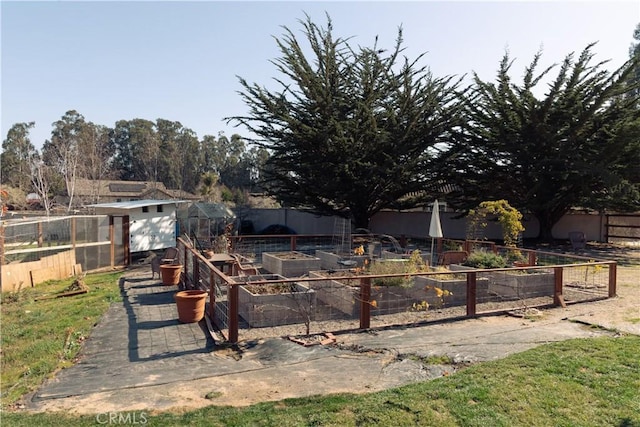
point(73, 232)
point(365, 304)
point(233, 312)
point(471, 294)
point(613, 269)
point(212, 296)
point(558, 298)
point(112, 244)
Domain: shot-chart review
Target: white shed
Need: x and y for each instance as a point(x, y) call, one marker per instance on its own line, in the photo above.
point(147, 224)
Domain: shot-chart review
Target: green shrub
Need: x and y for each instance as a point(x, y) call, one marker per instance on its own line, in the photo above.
point(484, 259)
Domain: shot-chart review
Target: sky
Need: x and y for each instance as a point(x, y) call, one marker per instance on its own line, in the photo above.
point(181, 61)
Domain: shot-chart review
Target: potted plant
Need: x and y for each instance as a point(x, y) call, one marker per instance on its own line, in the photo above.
point(190, 305)
point(170, 274)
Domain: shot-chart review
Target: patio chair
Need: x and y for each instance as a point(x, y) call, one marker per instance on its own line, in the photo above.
point(170, 256)
point(244, 270)
point(578, 240)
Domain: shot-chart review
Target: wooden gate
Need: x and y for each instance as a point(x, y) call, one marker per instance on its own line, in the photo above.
point(623, 228)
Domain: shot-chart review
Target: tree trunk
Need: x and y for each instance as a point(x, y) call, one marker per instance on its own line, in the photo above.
point(360, 220)
point(547, 220)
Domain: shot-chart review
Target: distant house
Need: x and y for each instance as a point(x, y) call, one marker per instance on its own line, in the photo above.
point(110, 191)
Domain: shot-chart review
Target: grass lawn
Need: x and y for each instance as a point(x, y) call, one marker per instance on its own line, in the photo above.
point(580, 382)
point(41, 336)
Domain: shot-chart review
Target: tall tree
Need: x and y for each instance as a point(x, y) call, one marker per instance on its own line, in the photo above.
point(350, 131)
point(190, 160)
point(137, 150)
point(63, 151)
point(547, 155)
point(42, 177)
point(16, 151)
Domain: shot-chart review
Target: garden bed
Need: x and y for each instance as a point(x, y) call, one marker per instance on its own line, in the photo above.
point(345, 297)
point(331, 260)
point(516, 284)
point(275, 304)
point(289, 264)
point(454, 290)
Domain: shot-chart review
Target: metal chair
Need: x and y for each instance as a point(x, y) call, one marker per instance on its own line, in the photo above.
point(578, 240)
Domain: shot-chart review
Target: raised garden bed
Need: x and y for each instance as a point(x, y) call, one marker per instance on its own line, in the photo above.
point(289, 264)
point(456, 288)
point(516, 284)
point(275, 304)
point(332, 260)
point(345, 297)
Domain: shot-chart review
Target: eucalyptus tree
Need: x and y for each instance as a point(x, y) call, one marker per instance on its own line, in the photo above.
point(16, 151)
point(545, 155)
point(189, 160)
point(63, 151)
point(349, 131)
point(137, 150)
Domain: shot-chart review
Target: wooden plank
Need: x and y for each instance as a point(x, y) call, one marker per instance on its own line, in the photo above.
point(66, 294)
point(14, 274)
point(44, 274)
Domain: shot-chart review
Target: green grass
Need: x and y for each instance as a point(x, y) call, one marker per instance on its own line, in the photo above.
point(579, 382)
point(40, 337)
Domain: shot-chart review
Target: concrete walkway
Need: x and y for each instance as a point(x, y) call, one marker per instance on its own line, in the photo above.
point(139, 357)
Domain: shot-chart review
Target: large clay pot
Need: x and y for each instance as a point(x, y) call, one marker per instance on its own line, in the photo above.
point(170, 274)
point(190, 305)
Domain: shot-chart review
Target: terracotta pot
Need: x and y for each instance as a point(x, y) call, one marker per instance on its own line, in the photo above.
point(190, 305)
point(170, 274)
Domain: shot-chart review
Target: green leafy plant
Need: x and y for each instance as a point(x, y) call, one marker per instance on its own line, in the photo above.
point(509, 218)
point(485, 259)
point(415, 264)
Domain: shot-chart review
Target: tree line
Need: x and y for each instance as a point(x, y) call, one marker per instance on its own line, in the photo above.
point(132, 150)
point(353, 130)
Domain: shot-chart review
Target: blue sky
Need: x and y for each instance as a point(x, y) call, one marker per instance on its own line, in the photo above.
point(180, 60)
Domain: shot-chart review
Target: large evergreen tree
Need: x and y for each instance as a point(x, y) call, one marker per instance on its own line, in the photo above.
point(349, 131)
point(571, 147)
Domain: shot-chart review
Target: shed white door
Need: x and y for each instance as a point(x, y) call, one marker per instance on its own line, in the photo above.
point(152, 231)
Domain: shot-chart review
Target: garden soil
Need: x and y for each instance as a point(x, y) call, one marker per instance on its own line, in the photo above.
point(156, 364)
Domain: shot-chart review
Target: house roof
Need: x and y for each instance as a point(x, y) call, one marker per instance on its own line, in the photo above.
point(88, 187)
point(128, 190)
point(135, 204)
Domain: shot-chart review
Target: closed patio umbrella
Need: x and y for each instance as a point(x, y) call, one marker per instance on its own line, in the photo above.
point(435, 228)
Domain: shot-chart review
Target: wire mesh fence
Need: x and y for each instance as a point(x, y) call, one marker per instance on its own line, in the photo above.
point(53, 248)
point(320, 298)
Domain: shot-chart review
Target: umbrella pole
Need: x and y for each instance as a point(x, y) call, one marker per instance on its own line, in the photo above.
point(432, 263)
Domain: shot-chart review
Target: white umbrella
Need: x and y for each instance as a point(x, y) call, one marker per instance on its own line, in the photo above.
point(435, 228)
